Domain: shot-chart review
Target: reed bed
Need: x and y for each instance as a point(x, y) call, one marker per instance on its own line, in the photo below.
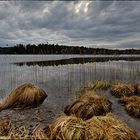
point(109, 128)
point(132, 105)
point(122, 89)
point(88, 105)
point(26, 95)
point(67, 128)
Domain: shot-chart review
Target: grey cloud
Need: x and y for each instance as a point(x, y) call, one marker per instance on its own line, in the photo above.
point(65, 22)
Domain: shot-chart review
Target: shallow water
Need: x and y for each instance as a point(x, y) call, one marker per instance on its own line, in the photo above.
point(61, 81)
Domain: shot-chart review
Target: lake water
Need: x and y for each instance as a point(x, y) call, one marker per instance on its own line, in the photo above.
point(60, 75)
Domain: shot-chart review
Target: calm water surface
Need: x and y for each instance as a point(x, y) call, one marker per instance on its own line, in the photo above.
point(61, 79)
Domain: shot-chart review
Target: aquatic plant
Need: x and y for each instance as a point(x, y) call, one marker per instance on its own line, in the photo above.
point(132, 105)
point(26, 95)
point(67, 128)
point(92, 86)
point(108, 127)
point(88, 105)
point(122, 89)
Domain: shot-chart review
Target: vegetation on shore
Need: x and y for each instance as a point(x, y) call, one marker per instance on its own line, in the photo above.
point(86, 118)
point(26, 95)
point(132, 105)
point(61, 49)
point(88, 105)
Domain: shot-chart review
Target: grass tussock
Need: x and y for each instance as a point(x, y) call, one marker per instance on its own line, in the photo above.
point(137, 88)
point(103, 85)
point(67, 128)
point(26, 95)
point(122, 89)
point(88, 105)
point(132, 105)
point(97, 128)
point(109, 128)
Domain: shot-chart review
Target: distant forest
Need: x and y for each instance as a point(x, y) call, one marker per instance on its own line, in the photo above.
point(61, 49)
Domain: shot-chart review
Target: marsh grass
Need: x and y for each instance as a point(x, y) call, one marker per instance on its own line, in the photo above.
point(93, 86)
point(24, 96)
point(132, 105)
point(12, 131)
point(109, 127)
point(106, 127)
point(88, 105)
point(123, 89)
point(67, 128)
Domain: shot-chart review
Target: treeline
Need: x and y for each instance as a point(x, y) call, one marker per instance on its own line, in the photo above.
point(61, 49)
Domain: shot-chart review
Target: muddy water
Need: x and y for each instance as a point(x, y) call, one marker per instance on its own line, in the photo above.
point(60, 82)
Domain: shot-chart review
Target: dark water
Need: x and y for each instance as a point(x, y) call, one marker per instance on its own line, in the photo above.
point(60, 76)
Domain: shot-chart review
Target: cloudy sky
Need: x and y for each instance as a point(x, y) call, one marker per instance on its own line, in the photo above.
point(110, 24)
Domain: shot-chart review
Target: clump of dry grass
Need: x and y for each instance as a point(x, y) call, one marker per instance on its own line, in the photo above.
point(103, 85)
point(122, 89)
point(88, 105)
point(67, 128)
point(108, 128)
point(132, 105)
point(137, 86)
point(26, 95)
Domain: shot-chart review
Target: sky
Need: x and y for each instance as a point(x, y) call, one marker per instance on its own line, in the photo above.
point(108, 24)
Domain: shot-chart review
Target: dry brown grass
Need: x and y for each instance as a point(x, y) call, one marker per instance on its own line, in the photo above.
point(132, 105)
point(137, 88)
point(92, 86)
point(67, 128)
point(5, 127)
point(122, 89)
point(26, 95)
point(9, 130)
point(88, 105)
point(108, 128)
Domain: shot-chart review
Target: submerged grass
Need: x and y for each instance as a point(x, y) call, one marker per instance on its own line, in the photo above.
point(88, 105)
point(132, 105)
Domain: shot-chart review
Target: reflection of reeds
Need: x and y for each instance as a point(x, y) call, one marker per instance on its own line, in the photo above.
point(26, 95)
point(103, 85)
point(122, 89)
point(109, 128)
point(88, 105)
point(132, 105)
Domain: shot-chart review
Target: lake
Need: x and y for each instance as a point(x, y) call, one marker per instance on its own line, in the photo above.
point(60, 76)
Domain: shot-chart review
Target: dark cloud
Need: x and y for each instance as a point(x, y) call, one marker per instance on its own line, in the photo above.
point(90, 23)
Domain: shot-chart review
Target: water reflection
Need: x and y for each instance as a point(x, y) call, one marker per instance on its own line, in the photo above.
point(79, 60)
point(60, 78)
